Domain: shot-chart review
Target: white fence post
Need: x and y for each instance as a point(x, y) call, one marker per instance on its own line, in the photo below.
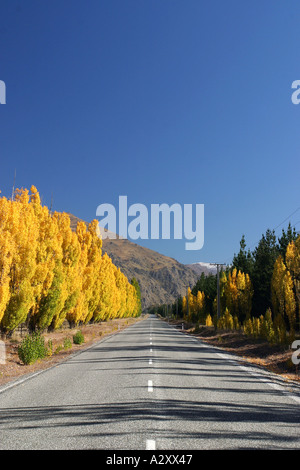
point(2, 353)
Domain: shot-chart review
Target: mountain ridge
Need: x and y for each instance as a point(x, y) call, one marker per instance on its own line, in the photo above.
point(162, 279)
point(201, 267)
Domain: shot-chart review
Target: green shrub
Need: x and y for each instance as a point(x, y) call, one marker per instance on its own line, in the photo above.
point(248, 327)
point(32, 348)
point(256, 327)
point(280, 330)
point(50, 348)
point(67, 343)
point(58, 348)
point(225, 322)
point(78, 338)
point(236, 323)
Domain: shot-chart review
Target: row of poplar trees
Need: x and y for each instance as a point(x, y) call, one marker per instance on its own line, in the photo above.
point(50, 273)
point(266, 280)
point(236, 294)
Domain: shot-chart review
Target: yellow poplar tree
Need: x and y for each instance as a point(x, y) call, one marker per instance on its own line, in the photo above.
point(290, 303)
point(184, 306)
point(78, 312)
point(277, 286)
point(92, 280)
point(49, 273)
point(105, 307)
point(45, 259)
point(70, 256)
point(293, 264)
point(231, 292)
point(245, 294)
point(24, 231)
point(191, 305)
point(121, 292)
point(223, 290)
point(6, 255)
point(200, 304)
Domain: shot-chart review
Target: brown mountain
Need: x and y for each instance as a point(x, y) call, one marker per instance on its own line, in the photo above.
point(161, 279)
point(205, 268)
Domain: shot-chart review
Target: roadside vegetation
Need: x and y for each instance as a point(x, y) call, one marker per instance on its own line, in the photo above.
point(37, 351)
point(259, 294)
point(51, 275)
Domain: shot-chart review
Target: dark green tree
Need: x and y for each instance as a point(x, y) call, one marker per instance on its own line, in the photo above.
point(208, 285)
point(243, 261)
point(177, 308)
point(286, 237)
point(264, 255)
point(135, 283)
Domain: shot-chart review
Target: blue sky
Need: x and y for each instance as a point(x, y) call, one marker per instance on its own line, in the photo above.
point(164, 101)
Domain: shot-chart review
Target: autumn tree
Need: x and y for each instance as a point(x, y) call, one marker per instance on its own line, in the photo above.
point(283, 298)
point(288, 236)
point(207, 285)
point(22, 225)
point(136, 285)
point(264, 256)
point(293, 265)
point(49, 273)
point(290, 303)
point(243, 261)
point(7, 248)
point(70, 256)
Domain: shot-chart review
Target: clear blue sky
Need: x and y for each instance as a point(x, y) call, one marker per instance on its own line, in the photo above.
point(161, 100)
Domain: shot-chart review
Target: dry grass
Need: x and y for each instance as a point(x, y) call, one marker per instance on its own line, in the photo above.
point(259, 352)
point(272, 357)
point(14, 368)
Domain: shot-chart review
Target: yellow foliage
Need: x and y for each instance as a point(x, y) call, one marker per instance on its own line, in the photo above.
point(208, 321)
point(49, 273)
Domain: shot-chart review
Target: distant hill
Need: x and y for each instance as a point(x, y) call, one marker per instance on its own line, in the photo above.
point(162, 279)
point(205, 268)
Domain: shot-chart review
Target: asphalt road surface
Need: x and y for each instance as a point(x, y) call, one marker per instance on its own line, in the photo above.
point(150, 387)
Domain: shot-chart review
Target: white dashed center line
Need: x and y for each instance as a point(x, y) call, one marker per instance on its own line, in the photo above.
point(150, 386)
point(150, 444)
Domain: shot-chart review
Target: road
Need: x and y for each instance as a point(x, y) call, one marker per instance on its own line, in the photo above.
point(150, 387)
